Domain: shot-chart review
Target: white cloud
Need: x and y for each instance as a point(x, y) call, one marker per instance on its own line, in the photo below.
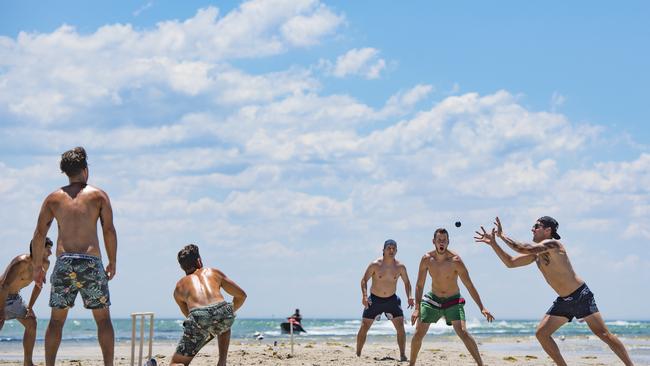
point(49, 77)
point(363, 61)
point(193, 147)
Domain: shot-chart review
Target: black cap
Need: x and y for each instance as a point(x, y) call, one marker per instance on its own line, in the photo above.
point(390, 242)
point(552, 223)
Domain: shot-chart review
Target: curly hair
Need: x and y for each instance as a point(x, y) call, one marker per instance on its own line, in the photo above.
point(74, 161)
point(188, 256)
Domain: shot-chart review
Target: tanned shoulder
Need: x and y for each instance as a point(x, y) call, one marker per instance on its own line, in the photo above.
point(552, 244)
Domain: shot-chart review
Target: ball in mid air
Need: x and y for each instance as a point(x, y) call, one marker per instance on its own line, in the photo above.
point(457, 224)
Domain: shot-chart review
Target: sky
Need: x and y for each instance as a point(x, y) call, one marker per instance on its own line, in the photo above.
point(289, 139)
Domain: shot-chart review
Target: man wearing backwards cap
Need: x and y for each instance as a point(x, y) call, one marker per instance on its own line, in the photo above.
point(574, 300)
point(384, 272)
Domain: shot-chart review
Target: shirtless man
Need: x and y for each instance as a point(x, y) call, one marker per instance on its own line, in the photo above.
point(17, 276)
point(574, 297)
point(76, 208)
point(444, 267)
point(384, 272)
point(198, 295)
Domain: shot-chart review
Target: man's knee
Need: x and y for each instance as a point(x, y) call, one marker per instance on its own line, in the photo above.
point(365, 325)
point(542, 334)
point(29, 324)
point(56, 323)
point(104, 324)
point(420, 332)
point(461, 332)
point(604, 334)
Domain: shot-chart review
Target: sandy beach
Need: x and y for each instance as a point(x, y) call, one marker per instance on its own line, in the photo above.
point(506, 351)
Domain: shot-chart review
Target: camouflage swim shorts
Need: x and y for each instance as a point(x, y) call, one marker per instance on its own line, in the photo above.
point(79, 273)
point(202, 325)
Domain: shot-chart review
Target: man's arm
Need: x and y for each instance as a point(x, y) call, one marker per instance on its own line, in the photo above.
point(529, 248)
point(507, 259)
point(238, 294)
point(43, 223)
point(525, 248)
point(467, 281)
point(110, 235)
point(364, 284)
point(36, 291)
point(181, 302)
point(407, 285)
point(419, 288)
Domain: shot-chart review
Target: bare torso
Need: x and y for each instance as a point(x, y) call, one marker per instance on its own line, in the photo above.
point(443, 272)
point(23, 265)
point(557, 270)
point(384, 277)
point(201, 288)
point(76, 208)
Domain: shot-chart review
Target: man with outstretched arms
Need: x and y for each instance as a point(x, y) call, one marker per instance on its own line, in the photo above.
point(385, 272)
point(574, 297)
point(17, 276)
point(444, 300)
point(76, 208)
point(198, 295)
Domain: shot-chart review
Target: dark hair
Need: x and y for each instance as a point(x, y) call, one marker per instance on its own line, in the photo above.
point(73, 161)
point(48, 243)
point(549, 222)
point(188, 256)
point(440, 231)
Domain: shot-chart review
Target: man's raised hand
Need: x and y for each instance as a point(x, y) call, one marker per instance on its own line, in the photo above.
point(499, 228)
point(485, 237)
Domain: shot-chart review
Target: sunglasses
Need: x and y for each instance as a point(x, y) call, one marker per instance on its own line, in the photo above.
point(537, 226)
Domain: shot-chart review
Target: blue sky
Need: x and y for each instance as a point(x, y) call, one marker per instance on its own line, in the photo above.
point(289, 139)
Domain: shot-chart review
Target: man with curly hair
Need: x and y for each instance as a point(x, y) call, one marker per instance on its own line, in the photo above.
point(77, 207)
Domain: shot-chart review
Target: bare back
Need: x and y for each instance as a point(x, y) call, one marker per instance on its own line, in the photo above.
point(201, 288)
point(21, 266)
point(557, 270)
point(443, 272)
point(77, 208)
point(384, 277)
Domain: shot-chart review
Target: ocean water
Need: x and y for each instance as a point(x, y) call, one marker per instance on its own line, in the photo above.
point(79, 330)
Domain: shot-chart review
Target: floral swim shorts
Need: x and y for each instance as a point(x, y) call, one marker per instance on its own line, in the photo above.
point(79, 273)
point(202, 325)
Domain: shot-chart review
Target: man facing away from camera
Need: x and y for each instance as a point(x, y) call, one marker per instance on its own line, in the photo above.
point(198, 295)
point(76, 208)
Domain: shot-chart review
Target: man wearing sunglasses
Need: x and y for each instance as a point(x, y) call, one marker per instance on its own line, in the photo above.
point(574, 297)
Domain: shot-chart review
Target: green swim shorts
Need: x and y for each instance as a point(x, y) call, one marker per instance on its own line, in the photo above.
point(432, 308)
point(202, 325)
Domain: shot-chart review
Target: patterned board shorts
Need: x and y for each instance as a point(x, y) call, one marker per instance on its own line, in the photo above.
point(202, 325)
point(79, 273)
point(15, 307)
